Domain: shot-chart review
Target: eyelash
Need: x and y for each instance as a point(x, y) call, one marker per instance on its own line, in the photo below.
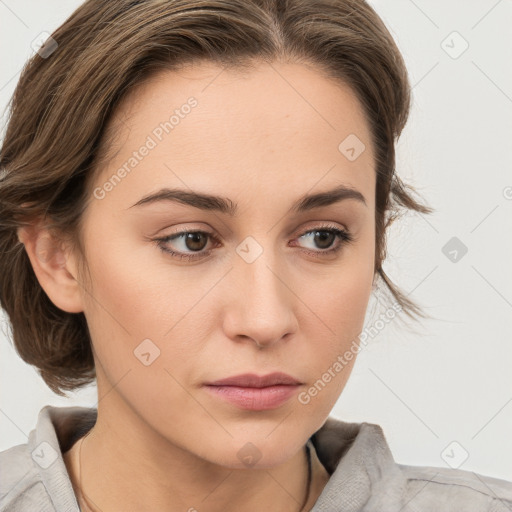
point(344, 236)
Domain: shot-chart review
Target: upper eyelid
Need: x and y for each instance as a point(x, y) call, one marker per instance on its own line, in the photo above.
point(343, 237)
point(321, 227)
point(215, 238)
point(311, 226)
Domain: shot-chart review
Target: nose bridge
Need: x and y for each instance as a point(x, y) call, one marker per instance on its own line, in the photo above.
point(263, 279)
point(262, 308)
point(259, 270)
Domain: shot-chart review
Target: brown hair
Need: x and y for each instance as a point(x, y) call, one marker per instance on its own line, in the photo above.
point(67, 94)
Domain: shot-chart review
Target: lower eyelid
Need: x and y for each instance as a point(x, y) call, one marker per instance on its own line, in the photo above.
point(342, 235)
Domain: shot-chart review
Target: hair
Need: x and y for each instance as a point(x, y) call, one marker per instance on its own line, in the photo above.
point(69, 90)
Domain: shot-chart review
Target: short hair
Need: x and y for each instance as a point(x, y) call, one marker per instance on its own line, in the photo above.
point(66, 95)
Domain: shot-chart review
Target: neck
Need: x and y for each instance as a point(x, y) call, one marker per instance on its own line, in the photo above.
point(158, 476)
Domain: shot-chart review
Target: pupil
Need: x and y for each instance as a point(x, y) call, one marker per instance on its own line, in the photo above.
point(324, 235)
point(194, 238)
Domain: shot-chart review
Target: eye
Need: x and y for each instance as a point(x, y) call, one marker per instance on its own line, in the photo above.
point(195, 241)
point(324, 237)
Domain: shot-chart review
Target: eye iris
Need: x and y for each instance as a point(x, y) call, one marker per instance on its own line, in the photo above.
point(323, 236)
point(194, 238)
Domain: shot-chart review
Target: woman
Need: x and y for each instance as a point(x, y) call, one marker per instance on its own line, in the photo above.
point(193, 214)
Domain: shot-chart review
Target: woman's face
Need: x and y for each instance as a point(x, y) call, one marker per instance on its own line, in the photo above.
point(261, 292)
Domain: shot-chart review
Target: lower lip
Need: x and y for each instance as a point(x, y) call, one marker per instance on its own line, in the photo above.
point(255, 399)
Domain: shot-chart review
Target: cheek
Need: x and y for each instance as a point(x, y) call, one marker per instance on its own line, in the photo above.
point(338, 302)
point(340, 295)
point(130, 290)
point(122, 307)
point(139, 306)
point(133, 301)
point(333, 344)
point(341, 310)
point(134, 322)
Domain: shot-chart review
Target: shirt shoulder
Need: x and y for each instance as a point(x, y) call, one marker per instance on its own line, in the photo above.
point(21, 486)
point(364, 477)
point(33, 475)
point(429, 488)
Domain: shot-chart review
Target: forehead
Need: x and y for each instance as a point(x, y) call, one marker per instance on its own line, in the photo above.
point(268, 127)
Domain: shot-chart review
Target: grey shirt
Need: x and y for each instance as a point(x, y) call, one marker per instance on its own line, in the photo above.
point(363, 473)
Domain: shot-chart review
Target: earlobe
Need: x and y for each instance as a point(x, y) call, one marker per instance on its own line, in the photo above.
point(54, 268)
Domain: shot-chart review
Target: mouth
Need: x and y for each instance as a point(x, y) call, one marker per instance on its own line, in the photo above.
point(251, 392)
point(255, 399)
point(251, 380)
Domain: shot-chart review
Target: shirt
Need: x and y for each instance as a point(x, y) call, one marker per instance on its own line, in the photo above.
point(363, 473)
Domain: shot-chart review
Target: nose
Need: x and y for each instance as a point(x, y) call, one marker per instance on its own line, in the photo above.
point(262, 307)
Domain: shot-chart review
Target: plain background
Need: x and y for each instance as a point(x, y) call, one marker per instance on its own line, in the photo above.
point(442, 394)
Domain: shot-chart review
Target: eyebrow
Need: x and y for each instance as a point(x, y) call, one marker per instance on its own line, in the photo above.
point(226, 206)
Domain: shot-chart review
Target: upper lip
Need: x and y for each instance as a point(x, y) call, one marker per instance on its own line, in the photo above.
point(251, 380)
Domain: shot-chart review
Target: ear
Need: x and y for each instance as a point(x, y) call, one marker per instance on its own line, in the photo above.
point(54, 268)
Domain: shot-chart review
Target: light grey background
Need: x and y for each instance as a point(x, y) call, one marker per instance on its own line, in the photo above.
point(451, 381)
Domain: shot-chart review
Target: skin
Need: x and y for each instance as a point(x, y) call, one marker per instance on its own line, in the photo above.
point(263, 139)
